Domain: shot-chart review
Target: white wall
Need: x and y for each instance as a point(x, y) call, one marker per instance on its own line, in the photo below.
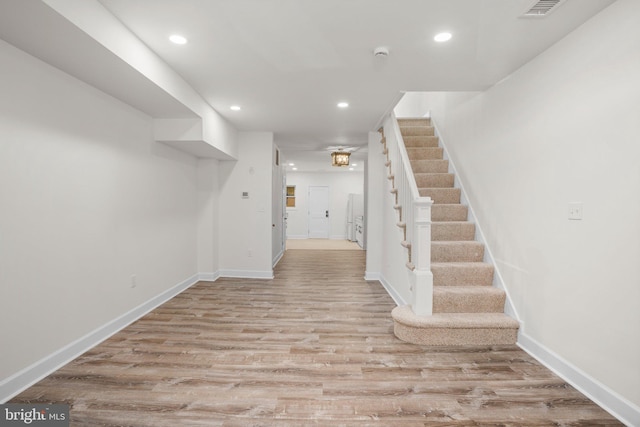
point(208, 203)
point(564, 128)
point(340, 184)
point(88, 199)
point(245, 233)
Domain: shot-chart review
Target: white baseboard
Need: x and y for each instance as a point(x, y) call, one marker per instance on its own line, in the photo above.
point(298, 236)
point(371, 276)
point(278, 257)
point(30, 375)
point(247, 274)
point(392, 292)
point(209, 277)
point(609, 400)
point(338, 237)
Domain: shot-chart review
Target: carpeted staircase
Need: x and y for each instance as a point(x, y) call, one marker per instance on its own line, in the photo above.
point(467, 309)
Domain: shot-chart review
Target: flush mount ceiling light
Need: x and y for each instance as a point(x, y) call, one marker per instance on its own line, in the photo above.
point(340, 158)
point(442, 37)
point(235, 108)
point(343, 104)
point(178, 39)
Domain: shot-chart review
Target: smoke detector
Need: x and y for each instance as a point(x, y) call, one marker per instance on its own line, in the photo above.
point(381, 52)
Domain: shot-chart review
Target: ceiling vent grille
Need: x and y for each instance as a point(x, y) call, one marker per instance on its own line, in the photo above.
point(542, 8)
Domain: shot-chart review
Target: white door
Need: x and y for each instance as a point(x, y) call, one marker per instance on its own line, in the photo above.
point(319, 212)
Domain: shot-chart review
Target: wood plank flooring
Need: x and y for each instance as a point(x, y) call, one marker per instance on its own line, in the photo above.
point(312, 347)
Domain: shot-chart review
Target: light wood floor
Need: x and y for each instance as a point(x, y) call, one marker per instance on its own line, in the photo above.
point(312, 347)
point(322, 244)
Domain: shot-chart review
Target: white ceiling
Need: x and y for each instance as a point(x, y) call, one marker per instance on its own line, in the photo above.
point(289, 62)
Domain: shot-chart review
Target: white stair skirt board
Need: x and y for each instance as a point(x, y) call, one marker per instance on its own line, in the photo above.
point(30, 375)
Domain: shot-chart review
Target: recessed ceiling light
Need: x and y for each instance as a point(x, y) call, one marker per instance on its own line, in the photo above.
point(295, 169)
point(292, 164)
point(442, 37)
point(235, 108)
point(343, 104)
point(178, 39)
point(354, 164)
point(350, 169)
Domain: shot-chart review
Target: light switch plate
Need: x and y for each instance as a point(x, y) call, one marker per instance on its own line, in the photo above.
point(575, 211)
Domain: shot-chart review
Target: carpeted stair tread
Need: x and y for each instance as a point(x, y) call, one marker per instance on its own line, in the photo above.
point(405, 315)
point(425, 153)
point(434, 180)
point(420, 141)
point(457, 251)
point(430, 166)
point(441, 195)
point(449, 212)
point(452, 230)
point(417, 131)
point(462, 273)
point(454, 328)
point(468, 299)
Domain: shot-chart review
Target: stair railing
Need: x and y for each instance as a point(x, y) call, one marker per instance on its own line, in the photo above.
point(414, 217)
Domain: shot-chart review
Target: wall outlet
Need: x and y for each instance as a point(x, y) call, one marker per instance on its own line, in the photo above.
point(575, 211)
point(134, 280)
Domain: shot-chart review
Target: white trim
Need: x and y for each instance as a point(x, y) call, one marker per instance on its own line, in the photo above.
point(338, 237)
point(30, 375)
point(392, 292)
point(498, 281)
point(298, 236)
point(609, 400)
point(209, 277)
point(278, 257)
point(371, 277)
point(247, 274)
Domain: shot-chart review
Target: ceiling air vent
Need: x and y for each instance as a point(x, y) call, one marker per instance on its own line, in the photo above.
point(542, 8)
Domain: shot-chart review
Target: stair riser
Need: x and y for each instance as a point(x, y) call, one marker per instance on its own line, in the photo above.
point(462, 275)
point(417, 131)
point(449, 336)
point(455, 212)
point(428, 153)
point(420, 141)
point(490, 302)
point(441, 195)
point(430, 166)
point(422, 121)
point(470, 251)
point(453, 231)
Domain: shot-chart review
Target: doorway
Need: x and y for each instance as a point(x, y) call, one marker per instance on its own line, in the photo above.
point(318, 212)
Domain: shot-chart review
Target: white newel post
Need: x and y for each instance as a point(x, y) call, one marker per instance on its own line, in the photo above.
point(422, 304)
